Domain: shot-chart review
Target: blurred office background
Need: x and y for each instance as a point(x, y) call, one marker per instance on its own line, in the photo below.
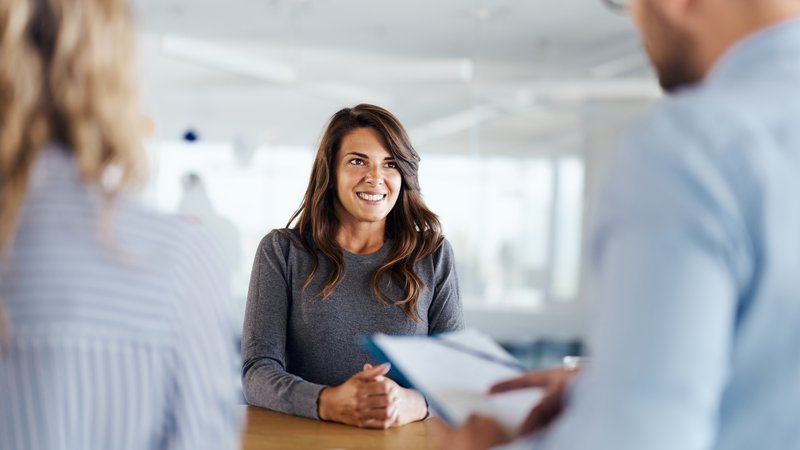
point(513, 105)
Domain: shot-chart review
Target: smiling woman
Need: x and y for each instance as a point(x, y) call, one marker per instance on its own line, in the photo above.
point(365, 256)
point(367, 185)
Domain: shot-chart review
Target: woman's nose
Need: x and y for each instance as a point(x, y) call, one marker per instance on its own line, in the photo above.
point(374, 176)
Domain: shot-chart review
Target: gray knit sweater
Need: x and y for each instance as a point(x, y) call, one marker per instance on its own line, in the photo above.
point(295, 344)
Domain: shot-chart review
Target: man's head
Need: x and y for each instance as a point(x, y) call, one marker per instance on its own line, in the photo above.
point(685, 38)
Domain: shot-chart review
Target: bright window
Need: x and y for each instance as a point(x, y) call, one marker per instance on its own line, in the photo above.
point(515, 223)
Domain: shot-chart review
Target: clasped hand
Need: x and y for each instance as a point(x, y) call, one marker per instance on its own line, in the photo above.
point(370, 399)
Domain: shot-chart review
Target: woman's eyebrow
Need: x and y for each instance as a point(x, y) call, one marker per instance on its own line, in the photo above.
point(362, 155)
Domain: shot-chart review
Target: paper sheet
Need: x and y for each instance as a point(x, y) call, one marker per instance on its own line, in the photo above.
point(457, 382)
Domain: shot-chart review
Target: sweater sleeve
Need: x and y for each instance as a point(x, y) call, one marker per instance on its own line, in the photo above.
point(265, 379)
point(446, 311)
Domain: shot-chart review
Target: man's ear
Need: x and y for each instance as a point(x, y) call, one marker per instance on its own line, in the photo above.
point(685, 14)
point(678, 11)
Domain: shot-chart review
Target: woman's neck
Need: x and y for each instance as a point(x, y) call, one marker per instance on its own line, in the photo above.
point(361, 238)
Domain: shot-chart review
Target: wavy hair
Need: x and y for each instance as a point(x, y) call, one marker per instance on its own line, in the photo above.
point(415, 231)
point(67, 77)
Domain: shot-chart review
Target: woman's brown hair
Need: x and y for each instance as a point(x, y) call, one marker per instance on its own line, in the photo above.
point(415, 231)
point(66, 76)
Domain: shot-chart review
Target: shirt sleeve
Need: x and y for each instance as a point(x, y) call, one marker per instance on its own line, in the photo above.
point(264, 377)
point(669, 253)
point(204, 404)
point(446, 310)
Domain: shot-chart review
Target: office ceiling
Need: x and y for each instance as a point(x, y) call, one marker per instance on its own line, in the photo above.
point(270, 72)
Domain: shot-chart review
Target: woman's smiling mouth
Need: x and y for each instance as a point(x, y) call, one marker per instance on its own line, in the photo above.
point(370, 197)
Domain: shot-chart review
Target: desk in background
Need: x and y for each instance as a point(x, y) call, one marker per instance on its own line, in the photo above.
point(268, 430)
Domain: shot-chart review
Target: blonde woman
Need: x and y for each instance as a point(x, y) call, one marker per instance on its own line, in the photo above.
point(112, 326)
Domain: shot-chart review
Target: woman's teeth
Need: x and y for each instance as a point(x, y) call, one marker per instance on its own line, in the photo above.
point(371, 197)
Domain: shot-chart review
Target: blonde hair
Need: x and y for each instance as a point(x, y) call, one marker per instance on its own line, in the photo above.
point(67, 76)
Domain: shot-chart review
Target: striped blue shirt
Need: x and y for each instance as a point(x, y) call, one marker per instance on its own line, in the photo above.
point(119, 337)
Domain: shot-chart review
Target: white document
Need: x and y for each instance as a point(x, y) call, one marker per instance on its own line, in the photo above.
point(455, 371)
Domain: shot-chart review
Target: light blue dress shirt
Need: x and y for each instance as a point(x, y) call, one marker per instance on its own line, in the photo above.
point(694, 265)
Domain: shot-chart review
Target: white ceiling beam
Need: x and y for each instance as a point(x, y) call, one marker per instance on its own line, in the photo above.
point(227, 59)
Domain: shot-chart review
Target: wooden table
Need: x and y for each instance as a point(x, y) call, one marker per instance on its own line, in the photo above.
point(271, 430)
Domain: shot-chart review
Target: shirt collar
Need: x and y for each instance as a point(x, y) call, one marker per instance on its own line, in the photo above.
point(761, 50)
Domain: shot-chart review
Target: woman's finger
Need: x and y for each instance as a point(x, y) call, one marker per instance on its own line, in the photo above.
point(379, 423)
point(376, 388)
point(373, 372)
point(377, 401)
point(375, 413)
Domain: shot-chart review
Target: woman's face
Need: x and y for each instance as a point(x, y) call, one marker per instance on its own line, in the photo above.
point(368, 181)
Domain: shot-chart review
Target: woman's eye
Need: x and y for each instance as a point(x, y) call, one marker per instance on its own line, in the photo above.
point(391, 165)
point(357, 162)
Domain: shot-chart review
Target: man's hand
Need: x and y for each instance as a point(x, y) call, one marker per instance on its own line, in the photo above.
point(554, 382)
point(479, 433)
